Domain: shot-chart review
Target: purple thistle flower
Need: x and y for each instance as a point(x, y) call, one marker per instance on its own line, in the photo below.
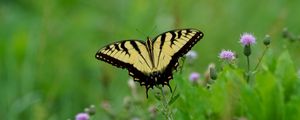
point(82, 116)
point(227, 55)
point(194, 76)
point(247, 39)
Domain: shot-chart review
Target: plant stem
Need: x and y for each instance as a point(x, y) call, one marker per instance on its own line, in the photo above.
point(166, 111)
point(261, 57)
point(248, 71)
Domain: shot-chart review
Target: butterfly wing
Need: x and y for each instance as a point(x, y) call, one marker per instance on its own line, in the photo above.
point(170, 46)
point(129, 54)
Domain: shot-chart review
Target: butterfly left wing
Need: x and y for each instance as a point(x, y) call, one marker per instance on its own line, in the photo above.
point(129, 54)
point(170, 46)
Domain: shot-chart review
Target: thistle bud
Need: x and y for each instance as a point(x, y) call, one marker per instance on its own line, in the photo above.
point(267, 40)
point(285, 33)
point(288, 35)
point(91, 110)
point(213, 73)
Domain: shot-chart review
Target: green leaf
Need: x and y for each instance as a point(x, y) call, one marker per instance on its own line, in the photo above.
point(269, 61)
point(271, 96)
point(251, 104)
point(173, 99)
point(286, 74)
point(292, 109)
point(157, 96)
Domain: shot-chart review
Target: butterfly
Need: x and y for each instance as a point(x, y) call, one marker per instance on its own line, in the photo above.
point(151, 63)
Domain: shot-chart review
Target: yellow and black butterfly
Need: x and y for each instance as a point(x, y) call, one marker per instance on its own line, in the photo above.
point(152, 62)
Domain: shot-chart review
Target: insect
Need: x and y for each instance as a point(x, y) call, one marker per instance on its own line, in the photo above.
point(152, 62)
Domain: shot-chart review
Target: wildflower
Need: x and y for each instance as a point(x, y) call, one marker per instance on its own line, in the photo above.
point(247, 39)
point(191, 55)
point(82, 116)
point(194, 76)
point(227, 55)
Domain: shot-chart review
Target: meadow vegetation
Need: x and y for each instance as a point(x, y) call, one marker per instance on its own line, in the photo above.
point(48, 69)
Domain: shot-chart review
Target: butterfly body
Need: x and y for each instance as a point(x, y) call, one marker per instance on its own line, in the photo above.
point(152, 62)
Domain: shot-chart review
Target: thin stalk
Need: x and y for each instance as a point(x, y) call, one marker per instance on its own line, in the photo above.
point(166, 111)
point(248, 70)
point(260, 58)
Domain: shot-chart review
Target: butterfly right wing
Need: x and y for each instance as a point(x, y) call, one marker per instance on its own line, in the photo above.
point(129, 54)
point(169, 46)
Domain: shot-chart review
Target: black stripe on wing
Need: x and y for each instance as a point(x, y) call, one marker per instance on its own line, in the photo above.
point(124, 48)
point(111, 60)
point(163, 37)
point(135, 46)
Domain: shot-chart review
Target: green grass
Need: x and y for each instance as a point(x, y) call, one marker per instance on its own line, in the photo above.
point(48, 69)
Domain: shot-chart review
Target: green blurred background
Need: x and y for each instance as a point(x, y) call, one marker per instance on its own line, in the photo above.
point(47, 47)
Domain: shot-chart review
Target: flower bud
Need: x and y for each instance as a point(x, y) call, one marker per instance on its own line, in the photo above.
point(92, 110)
point(213, 73)
point(288, 35)
point(285, 33)
point(267, 40)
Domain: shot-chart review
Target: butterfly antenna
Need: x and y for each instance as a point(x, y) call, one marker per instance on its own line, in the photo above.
point(142, 33)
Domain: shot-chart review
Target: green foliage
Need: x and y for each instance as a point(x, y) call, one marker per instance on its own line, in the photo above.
point(273, 95)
